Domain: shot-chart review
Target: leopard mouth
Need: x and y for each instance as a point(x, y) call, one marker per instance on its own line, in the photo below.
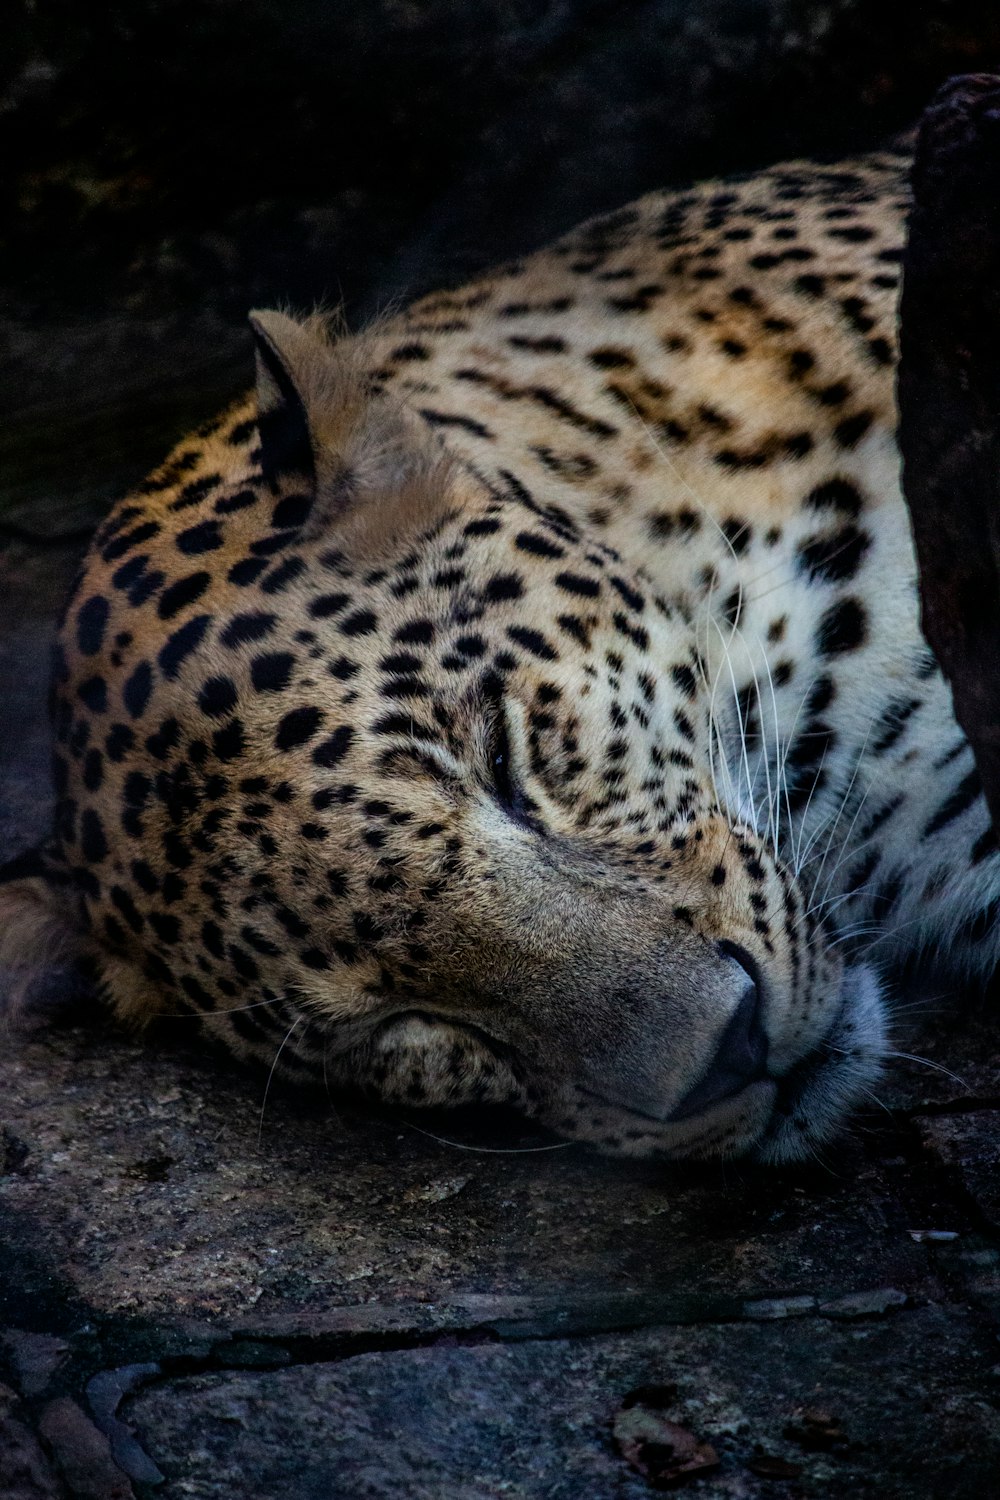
point(783, 1118)
point(818, 1093)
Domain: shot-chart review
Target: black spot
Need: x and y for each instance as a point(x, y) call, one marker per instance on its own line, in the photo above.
point(627, 594)
point(470, 645)
point(127, 907)
point(93, 694)
point(181, 643)
point(541, 345)
point(119, 742)
point(145, 587)
point(90, 625)
point(205, 537)
point(248, 571)
point(412, 351)
point(417, 633)
point(93, 770)
point(685, 679)
point(844, 627)
point(229, 742)
point(810, 285)
point(247, 627)
point(217, 697)
point(851, 430)
point(575, 627)
point(130, 572)
point(230, 503)
point(93, 844)
point(137, 690)
point(242, 433)
point(166, 927)
point(165, 738)
point(131, 539)
point(195, 491)
point(798, 444)
point(610, 359)
point(452, 419)
point(984, 846)
point(835, 557)
point(892, 723)
point(361, 622)
point(834, 394)
point(271, 672)
point(313, 958)
point(570, 465)
point(297, 727)
point(821, 695)
point(137, 787)
point(738, 534)
point(540, 546)
point(144, 877)
point(326, 605)
point(854, 233)
point(533, 641)
point(572, 583)
point(277, 541)
point(280, 577)
point(343, 669)
point(835, 494)
point(182, 593)
point(503, 586)
point(855, 311)
point(292, 511)
point(334, 748)
point(962, 798)
point(730, 458)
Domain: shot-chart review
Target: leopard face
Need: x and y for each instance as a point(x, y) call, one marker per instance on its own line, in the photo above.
point(373, 768)
point(525, 701)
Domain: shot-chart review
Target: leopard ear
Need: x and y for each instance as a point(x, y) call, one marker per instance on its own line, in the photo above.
point(283, 350)
point(372, 468)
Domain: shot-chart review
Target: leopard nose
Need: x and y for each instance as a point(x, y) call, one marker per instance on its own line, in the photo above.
point(741, 1056)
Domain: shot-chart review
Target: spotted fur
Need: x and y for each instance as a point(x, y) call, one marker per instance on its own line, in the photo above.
point(489, 705)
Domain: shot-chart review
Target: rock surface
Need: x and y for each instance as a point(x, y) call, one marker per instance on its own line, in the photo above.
point(534, 1419)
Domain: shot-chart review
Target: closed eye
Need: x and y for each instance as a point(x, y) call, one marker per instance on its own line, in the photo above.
point(498, 751)
point(501, 764)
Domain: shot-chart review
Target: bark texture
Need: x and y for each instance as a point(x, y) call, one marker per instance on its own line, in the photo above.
point(949, 401)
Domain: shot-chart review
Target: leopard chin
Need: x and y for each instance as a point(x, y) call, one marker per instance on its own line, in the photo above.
point(813, 1100)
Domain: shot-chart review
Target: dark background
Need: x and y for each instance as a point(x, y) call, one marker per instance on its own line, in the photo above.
point(171, 163)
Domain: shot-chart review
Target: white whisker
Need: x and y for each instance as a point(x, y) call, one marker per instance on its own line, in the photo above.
point(267, 1087)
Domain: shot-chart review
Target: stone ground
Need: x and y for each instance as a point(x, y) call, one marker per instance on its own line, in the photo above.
point(211, 1290)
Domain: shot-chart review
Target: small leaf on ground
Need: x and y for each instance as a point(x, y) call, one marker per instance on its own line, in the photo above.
point(664, 1453)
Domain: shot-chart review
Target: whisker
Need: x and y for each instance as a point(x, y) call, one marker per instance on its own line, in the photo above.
point(267, 1087)
point(486, 1150)
point(937, 1067)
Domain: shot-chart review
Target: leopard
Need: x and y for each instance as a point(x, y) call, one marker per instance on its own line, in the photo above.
point(522, 700)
